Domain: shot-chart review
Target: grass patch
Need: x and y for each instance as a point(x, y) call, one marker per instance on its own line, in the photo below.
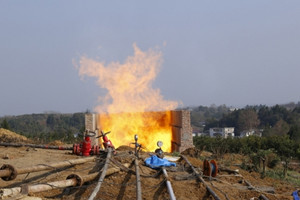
point(293, 177)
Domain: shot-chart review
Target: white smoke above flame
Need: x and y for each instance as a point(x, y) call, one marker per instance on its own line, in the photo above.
point(129, 84)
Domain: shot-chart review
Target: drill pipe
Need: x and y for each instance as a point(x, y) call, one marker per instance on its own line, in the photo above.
point(168, 183)
point(72, 180)
point(201, 179)
point(35, 146)
point(9, 172)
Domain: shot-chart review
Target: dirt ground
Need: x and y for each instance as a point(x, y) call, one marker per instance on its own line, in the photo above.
point(122, 185)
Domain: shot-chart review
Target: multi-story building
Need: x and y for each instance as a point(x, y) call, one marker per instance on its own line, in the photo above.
point(222, 132)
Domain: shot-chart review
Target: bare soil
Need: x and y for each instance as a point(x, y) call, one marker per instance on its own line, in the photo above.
point(122, 185)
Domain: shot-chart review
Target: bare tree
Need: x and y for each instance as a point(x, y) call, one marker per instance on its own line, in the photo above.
point(248, 119)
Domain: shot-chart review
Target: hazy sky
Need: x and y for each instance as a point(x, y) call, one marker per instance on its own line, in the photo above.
point(214, 52)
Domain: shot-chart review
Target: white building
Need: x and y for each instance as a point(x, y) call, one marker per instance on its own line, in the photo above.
point(222, 132)
point(247, 133)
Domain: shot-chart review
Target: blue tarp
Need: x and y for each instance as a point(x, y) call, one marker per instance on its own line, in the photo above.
point(154, 162)
point(295, 195)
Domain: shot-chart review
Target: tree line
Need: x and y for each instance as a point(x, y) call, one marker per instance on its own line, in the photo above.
point(46, 127)
point(278, 120)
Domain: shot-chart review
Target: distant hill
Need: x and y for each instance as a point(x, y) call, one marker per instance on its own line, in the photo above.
point(47, 127)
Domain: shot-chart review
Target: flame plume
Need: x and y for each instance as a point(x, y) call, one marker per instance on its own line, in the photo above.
point(128, 106)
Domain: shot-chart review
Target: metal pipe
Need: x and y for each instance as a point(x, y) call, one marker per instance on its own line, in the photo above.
point(8, 172)
point(65, 163)
point(5, 173)
point(137, 172)
point(35, 146)
point(97, 188)
point(38, 188)
point(263, 197)
point(138, 180)
point(201, 179)
point(168, 183)
point(72, 180)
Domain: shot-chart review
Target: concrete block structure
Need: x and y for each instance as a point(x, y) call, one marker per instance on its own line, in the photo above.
point(181, 130)
point(91, 125)
point(182, 133)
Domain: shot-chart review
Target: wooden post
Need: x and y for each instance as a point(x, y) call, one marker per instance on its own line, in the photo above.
point(264, 167)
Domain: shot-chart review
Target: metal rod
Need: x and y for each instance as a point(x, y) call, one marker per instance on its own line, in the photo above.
point(137, 171)
point(9, 172)
point(35, 146)
point(168, 183)
point(138, 180)
point(201, 179)
point(97, 188)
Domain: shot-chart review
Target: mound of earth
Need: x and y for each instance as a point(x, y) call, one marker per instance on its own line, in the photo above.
point(10, 136)
point(192, 152)
point(196, 153)
point(125, 148)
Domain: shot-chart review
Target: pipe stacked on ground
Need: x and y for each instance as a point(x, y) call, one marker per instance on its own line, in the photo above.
point(71, 181)
point(9, 172)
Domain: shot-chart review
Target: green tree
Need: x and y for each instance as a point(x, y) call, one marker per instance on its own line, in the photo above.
point(4, 124)
point(285, 149)
point(294, 133)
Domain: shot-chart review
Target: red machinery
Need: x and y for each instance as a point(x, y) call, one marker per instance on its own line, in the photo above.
point(85, 148)
point(106, 142)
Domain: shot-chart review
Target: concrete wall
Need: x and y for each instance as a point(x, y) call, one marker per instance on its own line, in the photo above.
point(182, 130)
point(89, 121)
point(91, 125)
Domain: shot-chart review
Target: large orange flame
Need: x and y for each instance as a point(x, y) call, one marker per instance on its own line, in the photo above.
point(127, 108)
